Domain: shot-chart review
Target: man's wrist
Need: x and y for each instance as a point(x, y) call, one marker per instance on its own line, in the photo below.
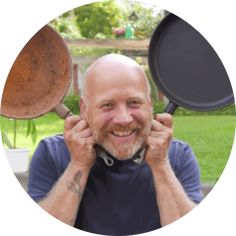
point(156, 163)
point(76, 166)
point(160, 167)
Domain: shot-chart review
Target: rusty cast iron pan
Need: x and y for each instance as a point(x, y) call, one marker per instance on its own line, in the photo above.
point(39, 78)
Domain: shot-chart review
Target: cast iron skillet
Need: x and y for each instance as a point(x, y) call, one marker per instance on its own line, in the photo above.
point(39, 78)
point(186, 68)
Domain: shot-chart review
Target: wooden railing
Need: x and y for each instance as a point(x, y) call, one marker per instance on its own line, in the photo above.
point(123, 44)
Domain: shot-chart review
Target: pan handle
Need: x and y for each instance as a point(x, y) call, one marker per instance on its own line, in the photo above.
point(171, 107)
point(62, 111)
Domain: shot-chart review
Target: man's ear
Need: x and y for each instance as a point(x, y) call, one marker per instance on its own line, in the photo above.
point(83, 109)
point(150, 101)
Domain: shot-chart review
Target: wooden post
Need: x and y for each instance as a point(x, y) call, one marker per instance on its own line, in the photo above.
point(75, 80)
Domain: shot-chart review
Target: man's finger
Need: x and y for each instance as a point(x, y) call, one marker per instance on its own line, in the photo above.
point(165, 118)
point(80, 126)
point(156, 134)
point(71, 121)
point(157, 126)
point(85, 133)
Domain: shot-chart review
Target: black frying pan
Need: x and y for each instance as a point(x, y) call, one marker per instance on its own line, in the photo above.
point(186, 68)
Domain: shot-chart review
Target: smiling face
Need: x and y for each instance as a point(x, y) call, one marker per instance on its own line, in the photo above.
point(117, 105)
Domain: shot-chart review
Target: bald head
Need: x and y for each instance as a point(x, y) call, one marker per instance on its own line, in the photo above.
point(112, 67)
point(115, 59)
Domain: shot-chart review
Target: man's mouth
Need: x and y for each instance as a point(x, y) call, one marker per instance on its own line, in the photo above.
point(126, 133)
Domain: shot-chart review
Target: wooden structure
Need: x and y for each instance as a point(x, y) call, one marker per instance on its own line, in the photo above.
point(121, 44)
point(75, 80)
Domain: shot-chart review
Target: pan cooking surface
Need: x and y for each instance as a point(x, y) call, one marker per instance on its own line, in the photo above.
point(186, 68)
point(39, 78)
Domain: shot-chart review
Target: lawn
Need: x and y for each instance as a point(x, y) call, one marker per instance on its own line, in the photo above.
point(211, 138)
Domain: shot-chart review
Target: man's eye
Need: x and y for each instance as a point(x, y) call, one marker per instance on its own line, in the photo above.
point(107, 106)
point(134, 104)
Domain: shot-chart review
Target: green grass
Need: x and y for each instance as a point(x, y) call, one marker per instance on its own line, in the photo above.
point(211, 138)
point(47, 125)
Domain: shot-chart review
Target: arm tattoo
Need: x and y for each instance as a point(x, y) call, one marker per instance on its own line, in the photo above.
point(74, 186)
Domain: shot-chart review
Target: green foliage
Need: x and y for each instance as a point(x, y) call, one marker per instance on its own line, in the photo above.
point(72, 103)
point(152, 85)
point(97, 20)
point(13, 126)
point(31, 130)
point(158, 107)
point(6, 140)
point(66, 26)
point(228, 110)
point(148, 19)
point(92, 51)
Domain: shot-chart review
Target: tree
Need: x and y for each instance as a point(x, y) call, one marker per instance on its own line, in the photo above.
point(66, 26)
point(148, 19)
point(97, 20)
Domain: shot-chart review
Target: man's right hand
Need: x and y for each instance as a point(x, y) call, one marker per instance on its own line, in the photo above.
point(80, 142)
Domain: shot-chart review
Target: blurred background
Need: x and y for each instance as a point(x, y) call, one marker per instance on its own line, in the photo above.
point(125, 27)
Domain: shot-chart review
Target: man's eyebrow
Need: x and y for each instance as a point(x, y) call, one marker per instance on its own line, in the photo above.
point(103, 101)
point(136, 98)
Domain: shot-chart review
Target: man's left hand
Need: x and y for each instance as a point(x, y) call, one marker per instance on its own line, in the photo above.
point(158, 140)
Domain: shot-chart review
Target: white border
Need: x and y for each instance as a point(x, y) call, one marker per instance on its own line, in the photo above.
point(21, 19)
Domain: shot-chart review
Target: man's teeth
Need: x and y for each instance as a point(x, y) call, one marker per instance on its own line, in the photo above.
point(122, 133)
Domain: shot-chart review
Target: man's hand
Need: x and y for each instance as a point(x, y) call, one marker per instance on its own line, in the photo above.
point(171, 198)
point(64, 199)
point(158, 140)
point(79, 140)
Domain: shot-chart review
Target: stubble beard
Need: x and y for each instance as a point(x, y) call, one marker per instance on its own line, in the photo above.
point(126, 150)
point(123, 151)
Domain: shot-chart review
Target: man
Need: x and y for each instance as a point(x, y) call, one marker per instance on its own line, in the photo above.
point(117, 169)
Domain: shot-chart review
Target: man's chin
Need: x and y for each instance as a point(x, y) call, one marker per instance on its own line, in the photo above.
point(122, 152)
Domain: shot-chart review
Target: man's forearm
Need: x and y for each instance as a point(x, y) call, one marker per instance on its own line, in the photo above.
point(64, 199)
point(172, 200)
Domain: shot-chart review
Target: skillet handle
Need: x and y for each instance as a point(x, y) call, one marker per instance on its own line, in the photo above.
point(171, 107)
point(62, 111)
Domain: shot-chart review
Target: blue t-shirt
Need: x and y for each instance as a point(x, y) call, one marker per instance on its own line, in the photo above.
point(119, 199)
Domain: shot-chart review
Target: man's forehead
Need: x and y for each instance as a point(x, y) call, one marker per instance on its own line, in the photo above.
point(110, 64)
point(113, 71)
point(114, 59)
point(111, 75)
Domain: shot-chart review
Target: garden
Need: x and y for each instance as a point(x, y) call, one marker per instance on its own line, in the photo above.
point(210, 134)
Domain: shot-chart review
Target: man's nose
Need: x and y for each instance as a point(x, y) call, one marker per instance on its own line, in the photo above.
point(123, 116)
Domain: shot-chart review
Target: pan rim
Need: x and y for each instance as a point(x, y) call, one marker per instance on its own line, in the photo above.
point(173, 98)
